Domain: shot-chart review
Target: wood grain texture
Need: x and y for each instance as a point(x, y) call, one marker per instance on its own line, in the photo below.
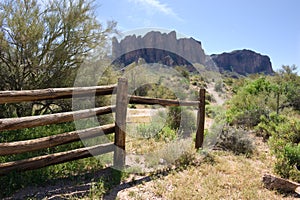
point(56, 158)
point(120, 121)
point(41, 120)
point(162, 102)
point(54, 140)
point(200, 120)
point(54, 93)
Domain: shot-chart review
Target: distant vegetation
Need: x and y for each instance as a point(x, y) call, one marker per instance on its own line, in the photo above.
point(270, 105)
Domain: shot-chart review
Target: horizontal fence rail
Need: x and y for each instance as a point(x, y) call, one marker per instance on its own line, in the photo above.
point(56, 158)
point(40, 120)
point(162, 102)
point(118, 128)
point(54, 140)
point(54, 93)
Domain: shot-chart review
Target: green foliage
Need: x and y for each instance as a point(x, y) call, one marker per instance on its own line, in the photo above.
point(284, 142)
point(181, 119)
point(292, 153)
point(288, 162)
point(167, 134)
point(174, 117)
point(17, 180)
point(105, 183)
point(43, 44)
point(183, 71)
point(251, 101)
point(159, 91)
point(150, 130)
point(213, 111)
point(157, 131)
point(259, 103)
point(263, 95)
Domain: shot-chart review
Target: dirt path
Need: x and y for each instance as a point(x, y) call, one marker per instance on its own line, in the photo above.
point(217, 96)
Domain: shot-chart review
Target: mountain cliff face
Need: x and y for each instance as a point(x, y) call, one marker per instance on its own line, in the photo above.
point(243, 62)
point(157, 47)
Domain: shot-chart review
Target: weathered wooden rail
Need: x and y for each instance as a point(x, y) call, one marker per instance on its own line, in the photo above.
point(119, 127)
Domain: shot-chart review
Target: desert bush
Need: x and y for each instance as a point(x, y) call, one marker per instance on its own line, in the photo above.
point(181, 119)
point(167, 134)
point(174, 117)
point(235, 140)
point(284, 141)
point(219, 86)
point(214, 111)
point(157, 130)
point(288, 162)
point(177, 152)
point(150, 130)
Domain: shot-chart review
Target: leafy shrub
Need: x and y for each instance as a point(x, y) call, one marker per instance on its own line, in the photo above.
point(181, 119)
point(214, 111)
point(288, 162)
point(149, 130)
point(253, 99)
point(284, 141)
point(167, 134)
point(292, 153)
point(157, 131)
point(174, 117)
point(259, 102)
point(219, 86)
point(235, 140)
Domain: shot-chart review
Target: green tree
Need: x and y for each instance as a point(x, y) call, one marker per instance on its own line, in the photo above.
point(263, 95)
point(42, 45)
point(289, 85)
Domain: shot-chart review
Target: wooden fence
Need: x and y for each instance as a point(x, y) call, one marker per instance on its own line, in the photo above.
point(119, 127)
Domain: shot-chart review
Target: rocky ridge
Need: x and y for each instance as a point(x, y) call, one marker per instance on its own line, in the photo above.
point(243, 62)
point(167, 49)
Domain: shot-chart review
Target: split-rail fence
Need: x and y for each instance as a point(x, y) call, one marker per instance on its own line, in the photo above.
point(118, 128)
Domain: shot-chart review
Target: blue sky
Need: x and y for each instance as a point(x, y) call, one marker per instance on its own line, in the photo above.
point(268, 27)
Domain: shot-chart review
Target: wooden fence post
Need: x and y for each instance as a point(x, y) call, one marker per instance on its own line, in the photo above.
point(120, 122)
point(200, 120)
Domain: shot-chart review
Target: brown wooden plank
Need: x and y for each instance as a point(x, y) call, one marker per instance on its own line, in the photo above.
point(120, 121)
point(53, 93)
point(34, 121)
point(54, 140)
point(56, 158)
point(162, 102)
point(200, 120)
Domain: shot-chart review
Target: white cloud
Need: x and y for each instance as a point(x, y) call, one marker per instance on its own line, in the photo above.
point(156, 5)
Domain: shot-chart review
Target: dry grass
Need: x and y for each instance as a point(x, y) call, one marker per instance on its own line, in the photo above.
point(225, 176)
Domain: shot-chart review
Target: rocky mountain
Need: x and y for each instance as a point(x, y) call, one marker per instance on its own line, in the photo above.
point(167, 49)
point(156, 47)
point(243, 62)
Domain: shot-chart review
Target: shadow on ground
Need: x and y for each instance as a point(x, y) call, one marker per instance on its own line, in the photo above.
point(80, 185)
